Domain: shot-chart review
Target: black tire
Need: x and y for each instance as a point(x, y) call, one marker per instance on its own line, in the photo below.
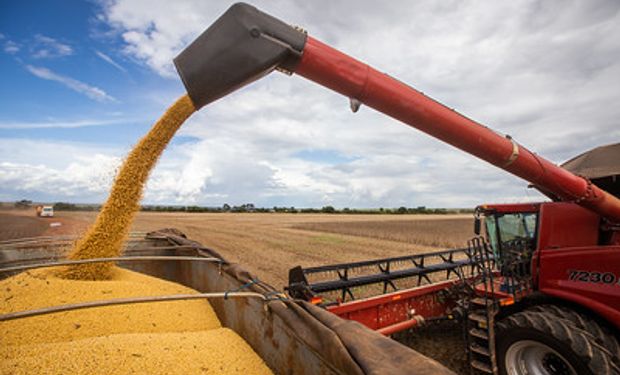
point(573, 346)
point(602, 335)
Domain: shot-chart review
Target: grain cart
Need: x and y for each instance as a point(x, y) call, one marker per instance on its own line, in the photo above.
point(538, 294)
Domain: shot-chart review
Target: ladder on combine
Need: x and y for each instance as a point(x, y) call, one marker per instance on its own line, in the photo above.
point(496, 285)
point(481, 310)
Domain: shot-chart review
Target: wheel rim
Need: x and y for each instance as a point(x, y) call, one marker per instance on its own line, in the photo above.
point(535, 358)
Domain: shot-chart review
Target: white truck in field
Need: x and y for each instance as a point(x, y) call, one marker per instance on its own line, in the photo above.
point(45, 211)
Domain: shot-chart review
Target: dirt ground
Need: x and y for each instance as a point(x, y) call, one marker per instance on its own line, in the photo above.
point(24, 223)
point(268, 245)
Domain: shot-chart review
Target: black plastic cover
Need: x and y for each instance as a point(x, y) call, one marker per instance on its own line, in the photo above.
point(243, 45)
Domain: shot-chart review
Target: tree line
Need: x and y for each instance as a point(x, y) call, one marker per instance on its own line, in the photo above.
point(251, 208)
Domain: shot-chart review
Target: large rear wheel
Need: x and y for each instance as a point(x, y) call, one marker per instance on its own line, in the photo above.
point(543, 343)
point(602, 335)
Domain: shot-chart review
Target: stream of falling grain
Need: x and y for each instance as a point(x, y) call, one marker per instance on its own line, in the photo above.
point(105, 238)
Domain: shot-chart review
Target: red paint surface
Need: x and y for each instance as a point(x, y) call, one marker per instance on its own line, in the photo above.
point(602, 298)
point(390, 309)
point(511, 208)
point(398, 327)
point(564, 225)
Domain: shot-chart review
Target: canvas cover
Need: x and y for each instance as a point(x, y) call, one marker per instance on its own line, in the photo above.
point(600, 162)
point(601, 165)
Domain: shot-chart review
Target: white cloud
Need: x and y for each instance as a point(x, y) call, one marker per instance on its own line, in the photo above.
point(92, 92)
point(153, 34)
point(44, 47)
point(109, 60)
point(60, 124)
point(83, 177)
point(11, 47)
point(55, 170)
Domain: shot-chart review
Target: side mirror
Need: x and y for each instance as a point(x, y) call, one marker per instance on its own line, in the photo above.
point(477, 225)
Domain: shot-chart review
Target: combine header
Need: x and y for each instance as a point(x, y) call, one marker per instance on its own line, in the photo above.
point(537, 289)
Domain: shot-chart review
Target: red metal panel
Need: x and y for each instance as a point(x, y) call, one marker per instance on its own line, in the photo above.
point(615, 238)
point(566, 225)
point(588, 276)
point(350, 77)
point(398, 307)
point(512, 207)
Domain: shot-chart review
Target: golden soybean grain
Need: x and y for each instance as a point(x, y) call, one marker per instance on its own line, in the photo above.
point(178, 337)
point(218, 351)
point(42, 288)
point(105, 238)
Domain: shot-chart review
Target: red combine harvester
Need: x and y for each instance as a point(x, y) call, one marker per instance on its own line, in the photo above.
point(537, 293)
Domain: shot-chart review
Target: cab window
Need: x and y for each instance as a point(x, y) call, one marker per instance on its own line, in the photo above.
point(504, 228)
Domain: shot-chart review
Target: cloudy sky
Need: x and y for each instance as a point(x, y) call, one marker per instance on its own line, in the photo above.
point(83, 81)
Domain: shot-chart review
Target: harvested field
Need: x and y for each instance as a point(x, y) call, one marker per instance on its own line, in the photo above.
point(26, 226)
point(270, 244)
point(436, 232)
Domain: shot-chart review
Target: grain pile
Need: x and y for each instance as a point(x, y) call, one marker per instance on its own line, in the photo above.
point(179, 337)
point(105, 238)
point(42, 288)
point(219, 351)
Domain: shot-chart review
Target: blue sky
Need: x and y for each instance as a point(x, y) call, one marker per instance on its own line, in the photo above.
point(66, 39)
point(84, 80)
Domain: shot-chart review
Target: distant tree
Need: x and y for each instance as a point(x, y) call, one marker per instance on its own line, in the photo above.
point(62, 206)
point(24, 203)
point(402, 210)
point(226, 207)
point(328, 210)
point(292, 210)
